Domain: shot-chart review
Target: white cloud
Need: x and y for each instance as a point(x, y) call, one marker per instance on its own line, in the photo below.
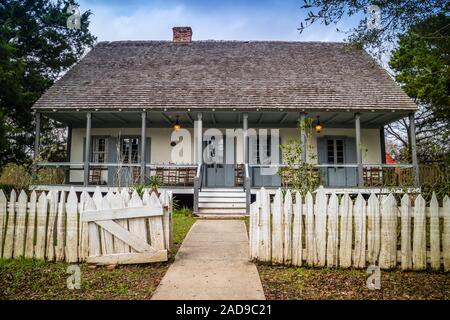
point(147, 23)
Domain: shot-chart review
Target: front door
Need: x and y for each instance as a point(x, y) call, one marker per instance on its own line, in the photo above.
point(336, 156)
point(217, 172)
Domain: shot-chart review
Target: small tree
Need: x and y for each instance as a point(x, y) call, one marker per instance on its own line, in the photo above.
point(298, 174)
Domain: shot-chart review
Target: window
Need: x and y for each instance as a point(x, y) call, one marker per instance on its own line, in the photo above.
point(335, 151)
point(130, 150)
point(99, 150)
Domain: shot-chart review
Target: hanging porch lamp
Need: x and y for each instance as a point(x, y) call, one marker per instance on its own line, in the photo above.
point(318, 127)
point(177, 124)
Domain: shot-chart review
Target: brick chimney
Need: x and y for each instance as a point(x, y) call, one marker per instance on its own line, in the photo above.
point(182, 34)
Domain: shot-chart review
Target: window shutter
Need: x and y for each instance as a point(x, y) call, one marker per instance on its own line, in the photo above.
point(112, 158)
point(350, 158)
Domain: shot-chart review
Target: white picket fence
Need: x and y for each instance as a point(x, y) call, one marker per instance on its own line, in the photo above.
point(346, 233)
point(48, 226)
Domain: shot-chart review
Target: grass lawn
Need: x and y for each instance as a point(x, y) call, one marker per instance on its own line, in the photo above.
point(308, 283)
point(36, 279)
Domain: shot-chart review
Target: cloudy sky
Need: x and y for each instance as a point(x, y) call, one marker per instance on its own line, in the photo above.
point(209, 19)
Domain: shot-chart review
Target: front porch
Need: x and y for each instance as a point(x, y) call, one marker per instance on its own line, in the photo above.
point(124, 148)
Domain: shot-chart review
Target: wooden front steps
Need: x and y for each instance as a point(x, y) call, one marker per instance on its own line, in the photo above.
point(221, 201)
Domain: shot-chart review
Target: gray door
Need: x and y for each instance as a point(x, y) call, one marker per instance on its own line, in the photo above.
point(335, 151)
point(217, 172)
point(336, 156)
point(263, 176)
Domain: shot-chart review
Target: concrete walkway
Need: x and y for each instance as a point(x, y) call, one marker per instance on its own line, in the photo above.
point(212, 264)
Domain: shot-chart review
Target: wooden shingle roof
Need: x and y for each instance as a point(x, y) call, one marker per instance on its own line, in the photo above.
point(225, 74)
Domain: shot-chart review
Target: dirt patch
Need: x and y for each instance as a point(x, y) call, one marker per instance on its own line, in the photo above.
point(308, 283)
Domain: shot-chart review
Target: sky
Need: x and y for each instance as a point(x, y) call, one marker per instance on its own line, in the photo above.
point(210, 20)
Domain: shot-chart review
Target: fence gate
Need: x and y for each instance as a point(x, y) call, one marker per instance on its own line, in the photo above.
point(122, 231)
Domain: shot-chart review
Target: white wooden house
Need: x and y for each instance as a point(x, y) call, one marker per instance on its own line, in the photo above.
point(121, 101)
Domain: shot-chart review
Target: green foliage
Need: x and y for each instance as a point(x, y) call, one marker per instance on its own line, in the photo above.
point(16, 176)
point(152, 183)
point(36, 47)
point(422, 62)
point(298, 174)
point(396, 16)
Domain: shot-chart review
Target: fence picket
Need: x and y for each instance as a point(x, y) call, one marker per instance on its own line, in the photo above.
point(3, 211)
point(107, 241)
point(264, 237)
point(156, 225)
point(21, 217)
point(125, 196)
point(435, 246)
point(137, 226)
point(31, 227)
point(388, 248)
point(446, 233)
point(373, 229)
point(94, 235)
point(419, 238)
point(359, 254)
point(52, 210)
point(345, 235)
point(165, 199)
point(254, 227)
point(320, 212)
point(309, 229)
point(406, 253)
point(297, 241)
point(72, 227)
point(60, 227)
point(287, 219)
point(41, 226)
point(8, 246)
point(84, 229)
point(277, 228)
point(117, 202)
point(333, 241)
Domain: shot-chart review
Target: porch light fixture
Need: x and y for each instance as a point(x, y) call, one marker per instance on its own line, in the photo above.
point(318, 127)
point(177, 124)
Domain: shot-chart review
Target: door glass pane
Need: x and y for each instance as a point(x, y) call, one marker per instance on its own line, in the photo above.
point(130, 150)
point(340, 151)
point(330, 151)
point(99, 152)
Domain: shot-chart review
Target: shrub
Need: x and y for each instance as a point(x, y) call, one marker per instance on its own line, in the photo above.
point(15, 176)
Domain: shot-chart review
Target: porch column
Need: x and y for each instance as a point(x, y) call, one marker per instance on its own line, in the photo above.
point(415, 164)
point(88, 148)
point(383, 145)
point(358, 150)
point(303, 135)
point(143, 144)
point(37, 140)
point(245, 136)
point(199, 138)
point(69, 151)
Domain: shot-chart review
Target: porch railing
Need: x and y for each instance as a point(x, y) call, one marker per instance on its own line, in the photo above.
point(114, 174)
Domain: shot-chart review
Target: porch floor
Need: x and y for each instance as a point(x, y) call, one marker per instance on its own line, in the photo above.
point(212, 264)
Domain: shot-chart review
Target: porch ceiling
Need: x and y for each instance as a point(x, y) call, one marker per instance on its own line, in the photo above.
point(224, 119)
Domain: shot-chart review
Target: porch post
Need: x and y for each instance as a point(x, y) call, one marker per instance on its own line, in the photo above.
point(245, 134)
point(143, 144)
point(383, 145)
point(303, 135)
point(88, 148)
point(358, 150)
point(37, 140)
point(198, 177)
point(199, 139)
point(415, 164)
